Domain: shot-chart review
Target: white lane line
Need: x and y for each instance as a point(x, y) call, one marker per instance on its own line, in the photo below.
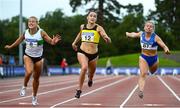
point(39, 86)
point(91, 104)
point(175, 78)
point(121, 106)
point(56, 90)
point(155, 105)
point(10, 100)
point(25, 103)
point(42, 82)
point(95, 90)
point(177, 97)
point(12, 84)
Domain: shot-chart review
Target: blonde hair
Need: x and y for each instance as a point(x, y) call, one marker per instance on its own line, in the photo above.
point(34, 18)
point(152, 22)
point(37, 21)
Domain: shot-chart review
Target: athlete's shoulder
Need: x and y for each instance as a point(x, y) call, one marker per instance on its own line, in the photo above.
point(141, 32)
point(41, 30)
point(26, 31)
point(156, 37)
point(82, 26)
point(154, 34)
point(99, 27)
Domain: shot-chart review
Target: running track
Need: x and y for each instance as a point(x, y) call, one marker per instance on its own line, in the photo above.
point(106, 92)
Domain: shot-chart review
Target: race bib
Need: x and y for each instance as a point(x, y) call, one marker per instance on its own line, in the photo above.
point(32, 44)
point(88, 36)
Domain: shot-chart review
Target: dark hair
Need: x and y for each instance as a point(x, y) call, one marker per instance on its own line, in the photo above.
point(92, 10)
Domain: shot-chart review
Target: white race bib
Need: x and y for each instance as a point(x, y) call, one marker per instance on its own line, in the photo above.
point(88, 36)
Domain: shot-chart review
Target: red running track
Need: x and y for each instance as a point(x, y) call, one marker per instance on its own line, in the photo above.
point(106, 92)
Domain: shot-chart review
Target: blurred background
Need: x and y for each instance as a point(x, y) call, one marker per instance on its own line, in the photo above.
point(66, 16)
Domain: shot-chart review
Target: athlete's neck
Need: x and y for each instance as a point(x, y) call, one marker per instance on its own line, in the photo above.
point(33, 30)
point(148, 34)
point(91, 25)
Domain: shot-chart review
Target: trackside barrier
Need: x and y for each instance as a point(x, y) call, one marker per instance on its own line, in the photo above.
point(116, 71)
point(11, 71)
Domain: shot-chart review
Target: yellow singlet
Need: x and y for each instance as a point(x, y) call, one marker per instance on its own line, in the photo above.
point(90, 35)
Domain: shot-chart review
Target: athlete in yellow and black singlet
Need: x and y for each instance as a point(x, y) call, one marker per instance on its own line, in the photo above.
point(92, 36)
point(87, 55)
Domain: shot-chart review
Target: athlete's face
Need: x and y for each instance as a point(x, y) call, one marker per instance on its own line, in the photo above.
point(32, 23)
point(149, 27)
point(92, 17)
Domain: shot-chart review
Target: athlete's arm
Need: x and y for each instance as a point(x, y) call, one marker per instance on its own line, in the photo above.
point(77, 39)
point(49, 40)
point(133, 34)
point(17, 42)
point(103, 34)
point(162, 44)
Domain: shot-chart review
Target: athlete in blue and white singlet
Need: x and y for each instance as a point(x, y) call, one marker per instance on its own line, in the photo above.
point(148, 60)
point(150, 44)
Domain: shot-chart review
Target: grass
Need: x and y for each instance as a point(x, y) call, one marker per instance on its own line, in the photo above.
point(131, 60)
point(121, 61)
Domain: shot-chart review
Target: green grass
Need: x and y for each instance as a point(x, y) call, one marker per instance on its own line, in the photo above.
point(131, 60)
point(121, 61)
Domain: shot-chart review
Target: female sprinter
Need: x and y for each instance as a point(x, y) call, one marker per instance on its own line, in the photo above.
point(87, 55)
point(34, 37)
point(148, 59)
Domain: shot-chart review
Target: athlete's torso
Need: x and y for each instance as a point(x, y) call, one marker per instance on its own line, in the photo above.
point(34, 43)
point(90, 39)
point(148, 46)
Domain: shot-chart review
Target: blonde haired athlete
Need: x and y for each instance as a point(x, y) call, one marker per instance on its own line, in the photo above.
point(148, 59)
point(34, 38)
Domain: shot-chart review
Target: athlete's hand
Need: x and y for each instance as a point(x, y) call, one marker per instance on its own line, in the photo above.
point(127, 33)
point(7, 47)
point(107, 40)
point(56, 39)
point(166, 50)
point(74, 46)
